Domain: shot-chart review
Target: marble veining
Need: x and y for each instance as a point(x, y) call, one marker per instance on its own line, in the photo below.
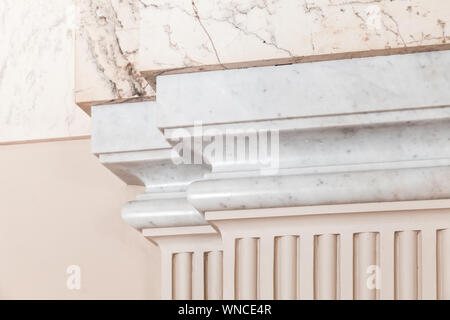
point(361, 85)
point(122, 46)
point(199, 34)
point(106, 48)
point(37, 72)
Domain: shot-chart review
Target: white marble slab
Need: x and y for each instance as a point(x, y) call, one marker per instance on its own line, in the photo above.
point(122, 45)
point(37, 71)
point(304, 90)
point(348, 131)
point(107, 44)
point(310, 123)
point(126, 127)
point(185, 35)
point(352, 146)
point(321, 189)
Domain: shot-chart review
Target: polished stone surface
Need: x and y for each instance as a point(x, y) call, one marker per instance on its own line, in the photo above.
point(160, 213)
point(304, 90)
point(321, 189)
point(211, 34)
point(362, 130)
point(37, 72)
point(123, 45)
point(126, 127)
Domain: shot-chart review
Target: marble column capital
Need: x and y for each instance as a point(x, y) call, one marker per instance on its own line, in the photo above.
point(350, 131)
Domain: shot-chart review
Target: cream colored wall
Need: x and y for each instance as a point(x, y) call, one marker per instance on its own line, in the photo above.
point(58, 207)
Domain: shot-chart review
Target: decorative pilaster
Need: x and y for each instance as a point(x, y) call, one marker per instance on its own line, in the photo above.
point(191, 262)
point(372, 251)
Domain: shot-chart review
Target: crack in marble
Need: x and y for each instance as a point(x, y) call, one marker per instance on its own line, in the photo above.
point(229, 19)
point(442, 24)
point(308, 8)
point(194, 7)
point(271, 43)
point(397, 32)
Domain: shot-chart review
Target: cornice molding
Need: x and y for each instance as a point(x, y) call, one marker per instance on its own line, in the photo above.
point(366, 140)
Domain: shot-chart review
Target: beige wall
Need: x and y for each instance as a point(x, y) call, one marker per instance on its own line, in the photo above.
point(58, 207)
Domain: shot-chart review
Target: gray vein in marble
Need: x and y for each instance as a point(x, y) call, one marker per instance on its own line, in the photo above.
point(100, 23)
point(194, 7)
point(236, 15)
point(230, 19)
